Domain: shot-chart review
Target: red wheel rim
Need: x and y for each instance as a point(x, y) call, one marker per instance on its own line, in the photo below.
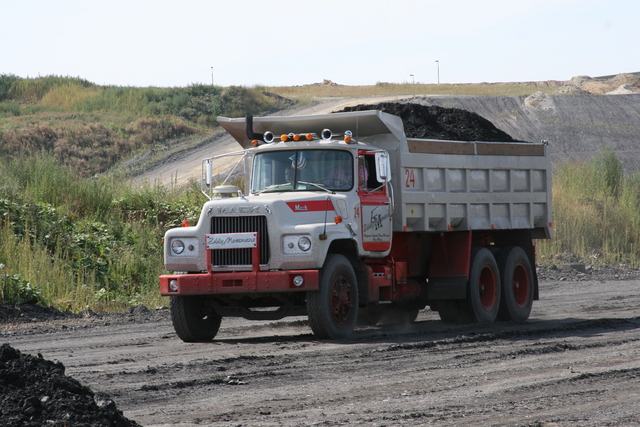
point(488, 288)
point(340, 299)
point(521, 285)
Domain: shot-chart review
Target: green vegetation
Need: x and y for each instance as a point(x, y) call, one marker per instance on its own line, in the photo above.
point(596, 210)
point(84, 243)
point(91, 128)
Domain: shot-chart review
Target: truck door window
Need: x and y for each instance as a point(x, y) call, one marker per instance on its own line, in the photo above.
point(367, 173)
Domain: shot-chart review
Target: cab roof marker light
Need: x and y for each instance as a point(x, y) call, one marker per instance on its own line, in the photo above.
point(348, 137)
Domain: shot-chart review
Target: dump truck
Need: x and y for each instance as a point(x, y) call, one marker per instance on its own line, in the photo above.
point(345, 220)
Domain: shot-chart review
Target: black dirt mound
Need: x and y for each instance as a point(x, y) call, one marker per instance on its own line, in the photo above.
point(36, 392)
point(30, 312)
point(434, 122)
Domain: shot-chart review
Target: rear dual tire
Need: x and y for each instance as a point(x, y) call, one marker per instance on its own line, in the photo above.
point(483, 293)
point(517, 284)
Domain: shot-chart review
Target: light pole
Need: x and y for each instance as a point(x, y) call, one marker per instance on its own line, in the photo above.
point(438, 65)
point(413, 79)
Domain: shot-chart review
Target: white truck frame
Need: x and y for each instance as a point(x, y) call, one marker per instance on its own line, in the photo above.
point(406, 223)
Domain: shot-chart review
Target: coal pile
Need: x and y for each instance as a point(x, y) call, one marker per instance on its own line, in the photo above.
point(36, 392)
point(434, 122)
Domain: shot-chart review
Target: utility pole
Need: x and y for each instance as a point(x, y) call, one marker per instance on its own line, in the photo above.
point(413, 78)
point(211, 76)
point(438, 64)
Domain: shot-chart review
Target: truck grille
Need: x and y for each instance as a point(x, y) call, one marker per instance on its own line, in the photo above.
point(240, 224)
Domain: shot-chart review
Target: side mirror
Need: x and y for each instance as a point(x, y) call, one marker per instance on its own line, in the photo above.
point(383, 167)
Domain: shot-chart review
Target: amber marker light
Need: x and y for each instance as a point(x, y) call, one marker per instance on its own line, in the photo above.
point(347, 139)
point(284, 138)
point(254, 142)
point(338, 219)
point(296, 137)
point(308, 137)
point(185, 223)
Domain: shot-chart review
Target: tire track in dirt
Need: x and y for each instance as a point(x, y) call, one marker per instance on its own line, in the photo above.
point(576, 361)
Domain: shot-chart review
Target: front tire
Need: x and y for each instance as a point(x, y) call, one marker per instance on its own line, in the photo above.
point(333, 309)
point(192, 320)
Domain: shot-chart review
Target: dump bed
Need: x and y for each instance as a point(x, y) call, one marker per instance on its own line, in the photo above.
point(451, 185)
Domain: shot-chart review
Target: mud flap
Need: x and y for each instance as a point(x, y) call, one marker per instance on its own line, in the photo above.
point(447, 287)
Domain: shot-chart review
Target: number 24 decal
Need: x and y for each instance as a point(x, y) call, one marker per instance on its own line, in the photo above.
point(410, 176)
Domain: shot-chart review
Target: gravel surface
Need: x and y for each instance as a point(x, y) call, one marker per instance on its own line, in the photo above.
point(575, 362)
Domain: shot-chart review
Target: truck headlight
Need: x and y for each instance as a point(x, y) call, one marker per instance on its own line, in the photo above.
point(304, 243)
point(293, 244)
point(184, 246)
point(177, 246)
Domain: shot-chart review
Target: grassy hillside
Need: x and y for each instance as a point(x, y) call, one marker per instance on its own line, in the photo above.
point(90, 128)
point(76, 238)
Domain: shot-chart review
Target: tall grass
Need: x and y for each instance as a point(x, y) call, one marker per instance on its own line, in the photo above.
point(40, 178)
point(128, 100)
point(84, 243)
point(34, 89)
point(596, 210)
point(68, 97)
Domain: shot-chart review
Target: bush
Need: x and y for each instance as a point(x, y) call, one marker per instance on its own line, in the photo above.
point(14, 290)
point(145, 132)
point(6, 86)
point(9, 109)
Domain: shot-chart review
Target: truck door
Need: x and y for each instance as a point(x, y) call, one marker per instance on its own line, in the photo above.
point(375, 203)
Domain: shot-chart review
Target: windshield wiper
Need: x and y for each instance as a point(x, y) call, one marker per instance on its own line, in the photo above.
point(320, 186)
point(273, 187)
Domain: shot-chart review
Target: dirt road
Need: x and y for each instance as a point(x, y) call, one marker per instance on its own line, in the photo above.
point(575, 362)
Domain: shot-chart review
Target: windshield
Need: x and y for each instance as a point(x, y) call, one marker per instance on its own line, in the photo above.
point(295, 170)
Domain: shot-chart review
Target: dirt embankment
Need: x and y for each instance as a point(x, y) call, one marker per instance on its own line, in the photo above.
point(575, 126)
point(585, 115)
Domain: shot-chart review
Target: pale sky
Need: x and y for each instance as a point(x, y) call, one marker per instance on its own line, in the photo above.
point(169, 43)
